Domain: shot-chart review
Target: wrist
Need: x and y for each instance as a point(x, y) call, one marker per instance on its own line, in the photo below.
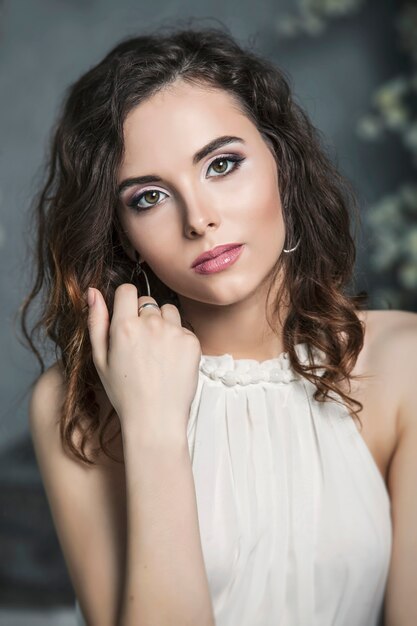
point(134, 433)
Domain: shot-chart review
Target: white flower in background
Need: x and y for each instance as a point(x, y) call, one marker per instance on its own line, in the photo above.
point(313, 25)
point(392, 112)
point(408, 275)
point(338, 7)
point(370, 127)
point(390, 93)
point(386, 252)
point(386, 211)
point(397, 117)
point(313, 15)
point(330, 8)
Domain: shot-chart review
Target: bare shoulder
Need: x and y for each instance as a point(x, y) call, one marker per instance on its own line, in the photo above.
point(392, 326)
point(49, 391)
point(401, 351)
point(390, 351)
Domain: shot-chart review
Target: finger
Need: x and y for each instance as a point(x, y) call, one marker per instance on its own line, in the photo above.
point(147, 310)
point(98, 326)
point(171, 314)
point(125, 302)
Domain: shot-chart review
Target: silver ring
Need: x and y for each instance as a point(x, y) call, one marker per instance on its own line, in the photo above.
point(142, 306)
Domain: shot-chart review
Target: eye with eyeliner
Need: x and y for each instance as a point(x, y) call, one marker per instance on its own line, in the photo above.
point(133, 203)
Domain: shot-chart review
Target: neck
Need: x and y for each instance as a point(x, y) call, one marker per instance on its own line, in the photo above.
point(240, 329)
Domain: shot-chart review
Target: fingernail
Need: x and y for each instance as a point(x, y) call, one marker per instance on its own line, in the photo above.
point(91, 296)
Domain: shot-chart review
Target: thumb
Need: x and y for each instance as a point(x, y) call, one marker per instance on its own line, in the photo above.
point(98, 327)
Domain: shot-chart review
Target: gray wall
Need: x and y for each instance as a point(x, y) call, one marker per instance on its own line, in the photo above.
point(44, 46)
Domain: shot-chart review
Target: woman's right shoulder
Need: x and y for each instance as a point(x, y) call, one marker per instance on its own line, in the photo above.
point(45, 405)
point(47, 395)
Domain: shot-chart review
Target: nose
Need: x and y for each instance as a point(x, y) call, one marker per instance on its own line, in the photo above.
point(199, 214)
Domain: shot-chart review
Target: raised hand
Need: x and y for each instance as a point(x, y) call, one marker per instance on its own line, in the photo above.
point(148, 363)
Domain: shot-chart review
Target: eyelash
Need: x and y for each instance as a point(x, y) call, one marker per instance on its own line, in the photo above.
point(237, 160)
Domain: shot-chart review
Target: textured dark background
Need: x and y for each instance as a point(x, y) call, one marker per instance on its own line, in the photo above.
point(336, 70)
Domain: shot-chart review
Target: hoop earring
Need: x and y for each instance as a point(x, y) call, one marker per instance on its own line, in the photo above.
point(137, 271)
point(292, 249)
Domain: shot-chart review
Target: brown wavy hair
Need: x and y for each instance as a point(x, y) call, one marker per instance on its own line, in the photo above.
point(79, 242)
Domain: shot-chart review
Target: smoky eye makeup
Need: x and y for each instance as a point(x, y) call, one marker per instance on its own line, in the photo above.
point(132, 201)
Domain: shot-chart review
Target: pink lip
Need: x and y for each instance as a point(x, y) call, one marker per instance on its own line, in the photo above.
point(220, 262)
point(213, 253)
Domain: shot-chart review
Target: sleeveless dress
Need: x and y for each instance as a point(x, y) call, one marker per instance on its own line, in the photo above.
point(294, 514)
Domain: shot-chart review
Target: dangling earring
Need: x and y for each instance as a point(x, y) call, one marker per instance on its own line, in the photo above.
point(296, 245)
point(138, 270)
point(292, 249)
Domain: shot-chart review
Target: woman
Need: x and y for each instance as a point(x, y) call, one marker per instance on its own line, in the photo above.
point(201, 444)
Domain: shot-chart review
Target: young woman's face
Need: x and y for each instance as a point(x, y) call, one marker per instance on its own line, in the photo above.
point(200, 202)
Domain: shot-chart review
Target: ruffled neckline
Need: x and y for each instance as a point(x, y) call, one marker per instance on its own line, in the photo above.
point(231, 371)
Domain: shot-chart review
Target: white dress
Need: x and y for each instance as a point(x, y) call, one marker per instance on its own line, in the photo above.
point(294, 515)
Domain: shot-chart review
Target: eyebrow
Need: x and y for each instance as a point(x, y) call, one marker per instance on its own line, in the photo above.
point(216, 143)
